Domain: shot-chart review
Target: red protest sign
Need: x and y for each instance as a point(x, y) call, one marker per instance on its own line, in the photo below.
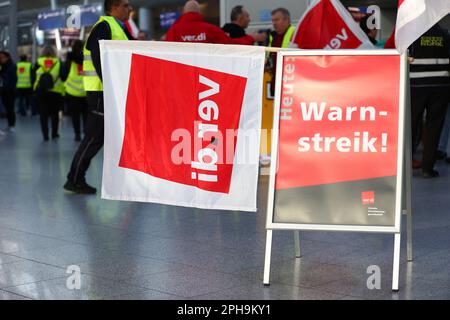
point(346, 117)
point(338, 147)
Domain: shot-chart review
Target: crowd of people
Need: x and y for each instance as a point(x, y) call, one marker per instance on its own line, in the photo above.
point(75, 84)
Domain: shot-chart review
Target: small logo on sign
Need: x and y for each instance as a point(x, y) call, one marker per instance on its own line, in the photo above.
point(368, 197)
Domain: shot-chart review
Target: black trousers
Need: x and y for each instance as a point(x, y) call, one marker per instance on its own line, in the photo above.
point(92, 141)
point(23, 97)
point(8, 99)
point(434, 100)
point(49, 105)
point(78, 110)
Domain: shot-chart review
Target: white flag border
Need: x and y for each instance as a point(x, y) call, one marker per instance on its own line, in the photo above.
point(196, 202)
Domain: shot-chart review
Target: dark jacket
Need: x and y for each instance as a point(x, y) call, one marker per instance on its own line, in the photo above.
point(101, 31)
point(431, 65)
point(8, 74)
point(234, 30)
point(71, 57)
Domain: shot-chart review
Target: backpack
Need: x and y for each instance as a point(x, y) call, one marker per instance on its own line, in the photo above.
point(46, 81)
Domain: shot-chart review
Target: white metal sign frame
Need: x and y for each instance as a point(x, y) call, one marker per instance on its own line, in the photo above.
point(402, 165)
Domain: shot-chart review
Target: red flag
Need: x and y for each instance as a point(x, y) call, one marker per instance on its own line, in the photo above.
point(156, 118)
point(390, 43)
point(327, 24)
point(415, 17)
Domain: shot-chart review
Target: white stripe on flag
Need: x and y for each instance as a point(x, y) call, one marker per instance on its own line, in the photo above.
point(415, 17)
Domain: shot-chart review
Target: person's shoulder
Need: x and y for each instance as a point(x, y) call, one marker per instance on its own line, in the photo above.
point(228, 26)
point(101, 28)
point(209, 25)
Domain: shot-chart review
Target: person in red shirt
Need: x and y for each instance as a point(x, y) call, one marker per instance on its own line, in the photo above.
point(191, 27)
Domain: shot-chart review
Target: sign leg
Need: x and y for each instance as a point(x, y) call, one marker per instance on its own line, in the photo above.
point(396, 268)
point(298, 253)
point(266, 280)
point(408, 176)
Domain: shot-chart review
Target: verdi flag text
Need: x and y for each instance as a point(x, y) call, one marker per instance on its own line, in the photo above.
point(327, 24)
point(182, 123)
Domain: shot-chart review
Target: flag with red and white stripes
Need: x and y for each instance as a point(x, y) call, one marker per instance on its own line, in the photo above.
point(415, 17)
point(327, 24)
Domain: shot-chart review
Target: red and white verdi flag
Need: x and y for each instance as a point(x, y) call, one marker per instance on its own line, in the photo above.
point(415, 17)
point(182, 123)
point(327, 24)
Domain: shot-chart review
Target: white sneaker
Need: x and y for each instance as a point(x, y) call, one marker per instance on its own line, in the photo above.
point(2, 133)
point(12, 129)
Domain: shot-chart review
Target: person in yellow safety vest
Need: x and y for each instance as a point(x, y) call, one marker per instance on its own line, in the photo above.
point(279, 38)
point(110, 27)
point(24, 84)
point(72, 75)
point(49, 96)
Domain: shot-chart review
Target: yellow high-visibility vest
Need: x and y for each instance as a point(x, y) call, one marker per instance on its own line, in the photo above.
point(286, 39)
point(24, 75)
point(92, 81)
point(74, 84)
point(45, 64)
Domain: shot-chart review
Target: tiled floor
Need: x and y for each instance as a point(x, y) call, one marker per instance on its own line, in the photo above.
point(146, 251)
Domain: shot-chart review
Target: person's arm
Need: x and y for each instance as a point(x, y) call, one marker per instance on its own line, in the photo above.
point(65, 68)
point(219, 36)
point(100, 32)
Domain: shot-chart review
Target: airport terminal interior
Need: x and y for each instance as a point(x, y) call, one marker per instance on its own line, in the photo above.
point(148, 251)
point(145, 251)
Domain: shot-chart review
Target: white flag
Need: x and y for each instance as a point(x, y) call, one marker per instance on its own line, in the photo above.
point(182, 123)
point(415, 17)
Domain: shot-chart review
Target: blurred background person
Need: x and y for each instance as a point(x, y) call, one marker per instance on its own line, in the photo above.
point(142, 36)
point(48, 92)
point(24, 85)
point(72, 75)
point(240, 19)
point(280, 37)
point(430, 91)
point(8, 80)
point(191, 27)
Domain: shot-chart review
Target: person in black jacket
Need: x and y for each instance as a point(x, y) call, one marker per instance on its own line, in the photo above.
point(118, 12)
point(430, 91)
point(240, 19)
point(8, 81)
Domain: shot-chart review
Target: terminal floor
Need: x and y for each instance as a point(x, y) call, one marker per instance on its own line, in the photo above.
point(148, 251)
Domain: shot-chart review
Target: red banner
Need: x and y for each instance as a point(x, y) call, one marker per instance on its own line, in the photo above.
point(344, 126)
point(339, 140)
